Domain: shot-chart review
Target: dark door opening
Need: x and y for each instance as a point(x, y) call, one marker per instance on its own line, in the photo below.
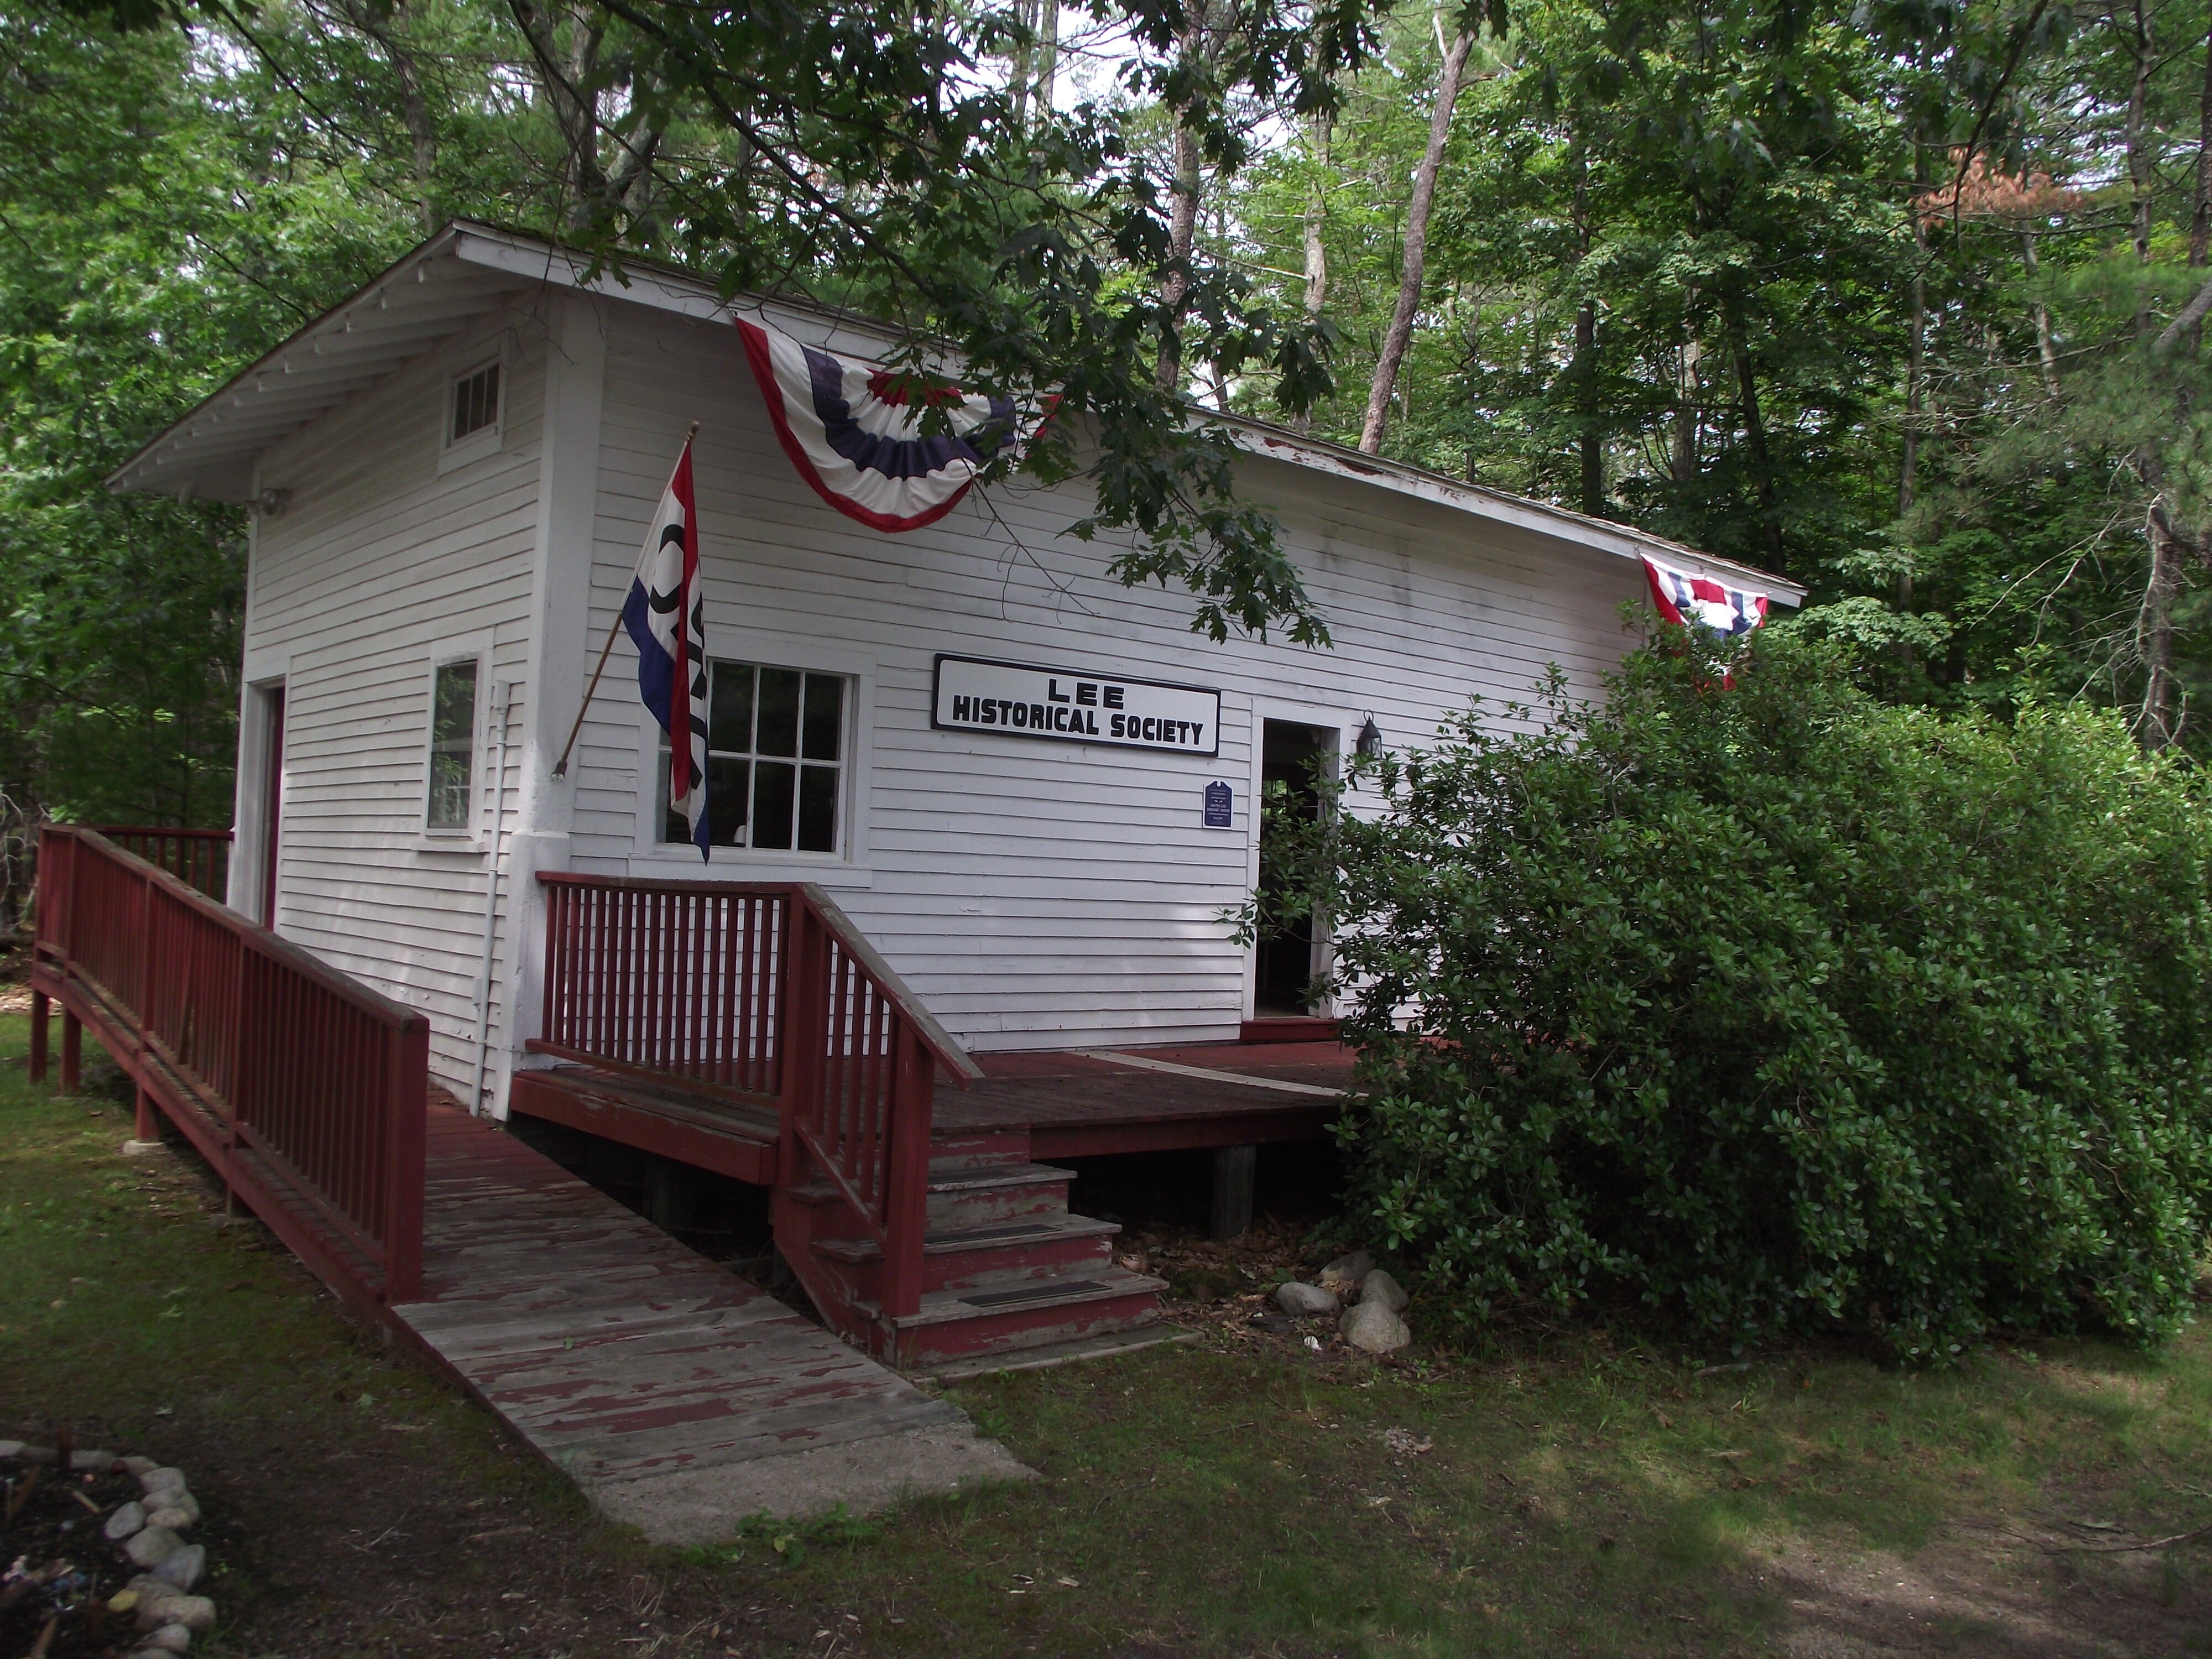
point(1284, 961)
point(272, 798)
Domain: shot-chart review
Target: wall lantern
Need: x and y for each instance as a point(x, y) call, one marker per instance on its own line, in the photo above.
point(1370, 740)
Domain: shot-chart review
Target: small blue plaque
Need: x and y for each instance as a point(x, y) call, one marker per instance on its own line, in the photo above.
point(1219, 802)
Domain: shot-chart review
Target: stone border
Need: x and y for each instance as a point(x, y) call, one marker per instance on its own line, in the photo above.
point(148, 1531)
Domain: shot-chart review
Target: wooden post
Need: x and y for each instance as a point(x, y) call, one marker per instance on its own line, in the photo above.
point(1232, 1189)
point(906, 1179)
point(806, 1027)
point(800, 1043)
point(406, 1102)
point(147, 1126)
point(42, 1013)
point(72, 1049)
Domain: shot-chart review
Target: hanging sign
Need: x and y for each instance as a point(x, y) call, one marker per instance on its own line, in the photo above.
point(1220, 806)
point(1074, 705)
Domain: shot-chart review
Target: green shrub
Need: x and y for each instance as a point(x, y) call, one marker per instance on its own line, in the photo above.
point(1784, 1008)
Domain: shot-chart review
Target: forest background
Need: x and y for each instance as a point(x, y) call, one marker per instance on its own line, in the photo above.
point(1902, 299)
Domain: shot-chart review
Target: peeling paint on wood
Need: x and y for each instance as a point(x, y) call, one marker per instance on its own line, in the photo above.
point(616, 1352)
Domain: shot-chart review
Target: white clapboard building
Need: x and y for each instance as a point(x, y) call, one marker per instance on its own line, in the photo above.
point(1031, 789)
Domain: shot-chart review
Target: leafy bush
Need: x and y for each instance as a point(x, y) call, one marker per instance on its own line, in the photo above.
point(1784, 1008)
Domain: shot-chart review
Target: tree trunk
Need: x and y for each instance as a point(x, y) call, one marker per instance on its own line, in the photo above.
point(2142, 182)
point(1754, 430)
point(1316, 294)
point(1586, 410)
point(1316, 209)
point(1048, 46)
point(1417, 246)
point(414, 108)
point(2200, 221)
point(1183, 223)
point(1021, 73)
point(1182, 235)
point(564, 70)
point(1915, 358)
point(1585, 367)
point(1916, 355)
point(1684, 459)
point(2159, 722)
point(1915, 351)
point(2046, 349)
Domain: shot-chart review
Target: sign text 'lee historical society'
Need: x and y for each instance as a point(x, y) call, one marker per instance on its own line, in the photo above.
point(1075, 706)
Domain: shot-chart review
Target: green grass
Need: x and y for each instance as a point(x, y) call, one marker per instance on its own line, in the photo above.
point(1590, 1494)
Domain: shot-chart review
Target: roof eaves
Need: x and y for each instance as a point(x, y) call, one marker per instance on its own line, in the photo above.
point(1318, 454)
point(524, 260)
point(135, 472)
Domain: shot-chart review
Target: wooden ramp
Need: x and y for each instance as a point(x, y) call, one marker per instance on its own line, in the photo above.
point(676, 1395)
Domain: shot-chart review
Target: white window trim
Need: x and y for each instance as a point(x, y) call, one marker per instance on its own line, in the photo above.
point(485, 440)
point(473, 648)
point(651, 857)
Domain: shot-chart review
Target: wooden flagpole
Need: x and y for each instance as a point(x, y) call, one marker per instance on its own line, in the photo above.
point(560, 766)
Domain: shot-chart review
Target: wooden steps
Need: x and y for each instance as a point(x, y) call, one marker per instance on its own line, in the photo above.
point(1006, 1268)
point(952, 1259)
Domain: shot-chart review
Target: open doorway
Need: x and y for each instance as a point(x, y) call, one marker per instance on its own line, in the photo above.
point(273, 797)
point(1285, 959)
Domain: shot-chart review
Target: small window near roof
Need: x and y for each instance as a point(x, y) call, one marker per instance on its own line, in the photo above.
point(476, 403)
point(453, 744)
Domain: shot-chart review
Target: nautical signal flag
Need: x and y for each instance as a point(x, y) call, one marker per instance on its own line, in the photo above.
point(1688, 600)
point(665, 615)
point(854, 431)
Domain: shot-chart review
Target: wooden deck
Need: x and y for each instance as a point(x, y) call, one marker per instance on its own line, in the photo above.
point(1089, 1103)
point(623, 1357)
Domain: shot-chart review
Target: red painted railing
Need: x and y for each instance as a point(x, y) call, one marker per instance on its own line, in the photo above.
point(760, 992)
point(668, 979)
point(199, 857)
point(304, 1089)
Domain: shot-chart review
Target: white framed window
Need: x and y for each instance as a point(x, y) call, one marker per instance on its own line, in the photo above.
point(449, 806)
point(778, 761)
point(474, 413)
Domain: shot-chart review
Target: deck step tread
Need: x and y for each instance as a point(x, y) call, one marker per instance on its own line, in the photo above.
point(984, 1177)
point(990, 1177)
point(953, 1241)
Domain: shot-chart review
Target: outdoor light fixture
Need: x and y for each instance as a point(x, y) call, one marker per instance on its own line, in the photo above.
point(1370, 740)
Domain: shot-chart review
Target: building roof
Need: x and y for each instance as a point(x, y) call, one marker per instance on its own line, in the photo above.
point(468, 268)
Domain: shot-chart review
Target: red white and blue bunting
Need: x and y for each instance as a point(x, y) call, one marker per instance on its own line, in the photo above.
point(1687, 599)
point(852, 431)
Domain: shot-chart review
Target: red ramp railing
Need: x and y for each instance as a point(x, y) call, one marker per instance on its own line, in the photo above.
point(199, 857)
point(303, 1088)
point(764, 993)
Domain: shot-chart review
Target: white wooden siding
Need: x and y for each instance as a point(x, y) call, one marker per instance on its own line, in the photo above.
point(1035, 893)
point(379, 559)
